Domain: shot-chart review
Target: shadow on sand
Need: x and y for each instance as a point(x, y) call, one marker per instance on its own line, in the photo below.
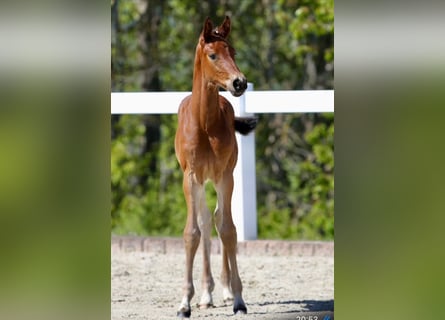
point(306, 305)
point(321, 308)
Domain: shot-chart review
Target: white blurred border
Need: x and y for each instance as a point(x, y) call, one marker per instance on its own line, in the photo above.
point(53, 42)
point(390, 36)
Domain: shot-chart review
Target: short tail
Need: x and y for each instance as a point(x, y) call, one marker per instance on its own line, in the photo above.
point(245, 125)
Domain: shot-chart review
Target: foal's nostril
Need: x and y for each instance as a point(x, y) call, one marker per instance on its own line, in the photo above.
point(239, 84)
point(236, 84)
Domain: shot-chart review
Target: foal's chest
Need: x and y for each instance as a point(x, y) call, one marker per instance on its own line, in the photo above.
point(212, 158)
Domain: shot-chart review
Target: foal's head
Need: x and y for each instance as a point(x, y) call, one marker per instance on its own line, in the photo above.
point(218, 58)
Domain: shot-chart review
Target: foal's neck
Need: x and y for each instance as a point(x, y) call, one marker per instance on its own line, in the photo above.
point(205, 98)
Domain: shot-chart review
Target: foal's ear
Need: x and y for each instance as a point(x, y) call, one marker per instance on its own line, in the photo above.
point(207, 30)
point(224, 29)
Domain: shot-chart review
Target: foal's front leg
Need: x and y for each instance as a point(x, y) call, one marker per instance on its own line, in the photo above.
point(192, 236)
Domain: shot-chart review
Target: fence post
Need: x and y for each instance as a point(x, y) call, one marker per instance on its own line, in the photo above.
point(244, 209)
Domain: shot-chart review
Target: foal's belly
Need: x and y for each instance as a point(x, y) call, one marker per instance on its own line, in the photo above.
point(211, 167)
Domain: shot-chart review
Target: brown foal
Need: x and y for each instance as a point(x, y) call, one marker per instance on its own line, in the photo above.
point(206, 149)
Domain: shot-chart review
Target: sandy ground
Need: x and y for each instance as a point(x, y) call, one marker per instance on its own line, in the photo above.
point(147, 285)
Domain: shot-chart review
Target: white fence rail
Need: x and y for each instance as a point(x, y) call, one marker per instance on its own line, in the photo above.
point(244, 194)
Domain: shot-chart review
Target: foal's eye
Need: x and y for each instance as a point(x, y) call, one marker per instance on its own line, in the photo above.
point(212, 56)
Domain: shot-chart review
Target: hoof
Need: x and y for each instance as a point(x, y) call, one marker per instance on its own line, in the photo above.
point(205, 306)
point(240, 309)
point(227, 296)
point(228, 301)
point(184, 314)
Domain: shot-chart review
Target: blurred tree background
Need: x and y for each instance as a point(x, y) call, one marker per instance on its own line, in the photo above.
point(281, 45)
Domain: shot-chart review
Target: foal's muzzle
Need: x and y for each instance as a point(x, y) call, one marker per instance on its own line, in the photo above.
point(240, 85)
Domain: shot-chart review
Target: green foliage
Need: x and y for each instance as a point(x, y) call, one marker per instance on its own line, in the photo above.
point(280, 45)
point(146, 193)
point(295, 177)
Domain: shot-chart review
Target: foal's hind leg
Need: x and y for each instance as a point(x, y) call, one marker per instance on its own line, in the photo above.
point(205, 225)
point(227, 233)
point(225, 271)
